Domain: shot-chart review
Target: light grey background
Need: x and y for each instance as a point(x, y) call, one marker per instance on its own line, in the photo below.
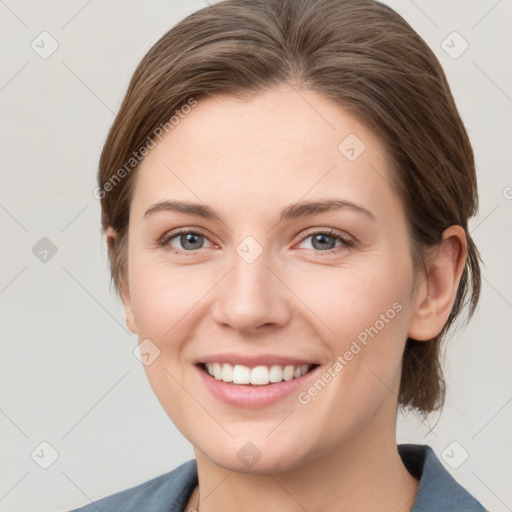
point(68, 373)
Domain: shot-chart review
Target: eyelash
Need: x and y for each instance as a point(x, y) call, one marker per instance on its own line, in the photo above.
point(328, 232)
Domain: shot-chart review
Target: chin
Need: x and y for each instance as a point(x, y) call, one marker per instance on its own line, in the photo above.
point(255, 457)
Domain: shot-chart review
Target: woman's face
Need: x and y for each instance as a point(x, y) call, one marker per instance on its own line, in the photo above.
point(250, 281)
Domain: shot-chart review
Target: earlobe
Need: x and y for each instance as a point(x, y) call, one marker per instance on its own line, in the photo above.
point(435, 298)
point(124, 289)
point(124, 293)
point(111, 238)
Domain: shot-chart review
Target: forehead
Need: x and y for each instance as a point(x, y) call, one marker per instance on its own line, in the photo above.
point(296, 124)
point(270, 148)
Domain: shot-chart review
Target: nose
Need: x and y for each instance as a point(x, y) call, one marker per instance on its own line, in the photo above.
point(252, 296)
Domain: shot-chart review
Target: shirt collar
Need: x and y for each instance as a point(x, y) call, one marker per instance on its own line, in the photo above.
point(438, 490)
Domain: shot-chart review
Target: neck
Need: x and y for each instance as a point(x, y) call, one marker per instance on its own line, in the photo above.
point(365, 473)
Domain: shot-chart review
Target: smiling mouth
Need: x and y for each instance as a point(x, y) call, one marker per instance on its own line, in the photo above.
point(262, 375)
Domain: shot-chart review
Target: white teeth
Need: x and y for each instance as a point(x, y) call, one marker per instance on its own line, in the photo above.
point(241, 374)
point(227, 373)
point(288, 372)
point(217, 371)
point(258, 376)
point(275, 374)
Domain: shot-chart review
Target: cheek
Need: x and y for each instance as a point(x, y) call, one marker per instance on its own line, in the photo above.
point(367, 314)
point(161, 295)
point(169, 306)
point(351, 298)
point(364, 315)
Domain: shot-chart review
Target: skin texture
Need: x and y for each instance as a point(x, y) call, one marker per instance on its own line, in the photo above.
point(247, 159)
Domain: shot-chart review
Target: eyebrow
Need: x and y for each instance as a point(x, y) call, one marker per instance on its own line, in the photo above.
point(292, 211)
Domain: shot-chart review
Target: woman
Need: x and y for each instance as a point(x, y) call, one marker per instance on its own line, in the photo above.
point(285, 195)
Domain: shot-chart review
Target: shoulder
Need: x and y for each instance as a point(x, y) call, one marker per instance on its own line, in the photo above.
point(438, 491)
point(165, 493)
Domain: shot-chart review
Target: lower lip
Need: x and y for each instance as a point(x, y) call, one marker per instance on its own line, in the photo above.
point(252, 396)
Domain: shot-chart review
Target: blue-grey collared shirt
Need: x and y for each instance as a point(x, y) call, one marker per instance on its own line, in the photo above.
point(438, 491)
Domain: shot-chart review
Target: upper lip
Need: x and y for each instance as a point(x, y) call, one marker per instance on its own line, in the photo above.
point(256, 360)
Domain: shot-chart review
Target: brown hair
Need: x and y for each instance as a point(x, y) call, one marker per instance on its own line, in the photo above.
point(359, 53)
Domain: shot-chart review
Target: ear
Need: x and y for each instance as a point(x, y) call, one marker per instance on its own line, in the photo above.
point(436, 295)
point(124, 288)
